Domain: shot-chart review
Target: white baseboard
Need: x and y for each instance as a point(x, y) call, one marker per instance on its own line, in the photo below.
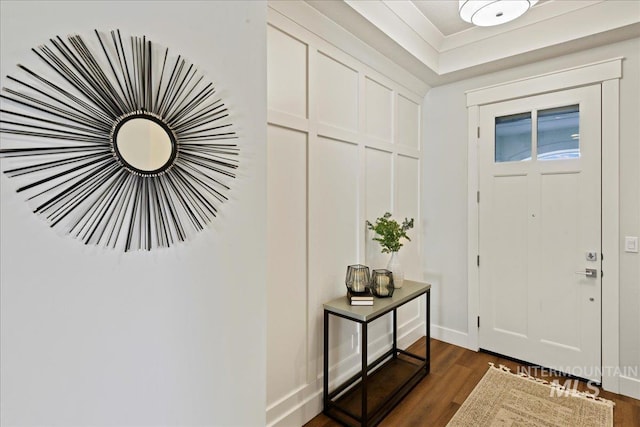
point(630, 387)
point(298, 413)
point(451, 336)
point(300, 406)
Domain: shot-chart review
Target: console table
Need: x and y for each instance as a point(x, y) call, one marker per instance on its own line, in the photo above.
point(367, 397)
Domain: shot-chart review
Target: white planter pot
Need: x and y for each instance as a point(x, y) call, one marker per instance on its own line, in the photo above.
point(396, 269)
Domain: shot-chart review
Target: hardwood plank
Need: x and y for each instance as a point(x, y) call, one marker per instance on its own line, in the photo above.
point(455, 371)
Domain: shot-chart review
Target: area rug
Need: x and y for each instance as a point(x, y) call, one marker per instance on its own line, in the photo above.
point(503, 398)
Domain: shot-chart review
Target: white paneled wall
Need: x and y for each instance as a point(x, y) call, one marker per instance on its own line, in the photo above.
point(408, 123)
point(287, 254)
point(378, 110)
point(407, 185)
point(336, 92)
point(343, 147)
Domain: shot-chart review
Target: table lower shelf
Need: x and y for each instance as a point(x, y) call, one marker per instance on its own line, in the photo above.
point(386, 386)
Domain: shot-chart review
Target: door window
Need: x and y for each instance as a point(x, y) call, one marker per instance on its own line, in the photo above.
point(559, 133)
point(513, 138)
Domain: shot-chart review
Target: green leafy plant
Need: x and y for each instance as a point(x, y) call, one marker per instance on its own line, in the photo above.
point(389, 232)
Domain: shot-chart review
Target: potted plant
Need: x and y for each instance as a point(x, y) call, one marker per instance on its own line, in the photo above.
point(389, 233)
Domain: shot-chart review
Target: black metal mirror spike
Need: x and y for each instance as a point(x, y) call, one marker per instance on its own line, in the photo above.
point(121, 144)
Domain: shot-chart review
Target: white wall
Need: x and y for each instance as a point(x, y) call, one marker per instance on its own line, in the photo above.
point(343, 147)
point(444, 197)
point(171, 337)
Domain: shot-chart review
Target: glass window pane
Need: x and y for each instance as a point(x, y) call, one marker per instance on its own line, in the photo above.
point(513, 138)
point(559, 133)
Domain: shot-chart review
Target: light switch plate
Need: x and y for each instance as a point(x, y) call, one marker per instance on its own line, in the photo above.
point(631, 244)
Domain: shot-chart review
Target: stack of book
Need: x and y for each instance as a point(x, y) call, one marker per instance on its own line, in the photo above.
point(360, 298)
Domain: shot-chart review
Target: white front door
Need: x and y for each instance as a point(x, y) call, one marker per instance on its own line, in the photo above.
point(540, 230)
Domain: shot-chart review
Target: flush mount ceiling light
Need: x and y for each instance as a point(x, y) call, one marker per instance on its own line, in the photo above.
point(486, 13)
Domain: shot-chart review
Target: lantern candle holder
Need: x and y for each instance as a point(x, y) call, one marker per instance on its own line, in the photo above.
point(382, 283)
point(357, 279)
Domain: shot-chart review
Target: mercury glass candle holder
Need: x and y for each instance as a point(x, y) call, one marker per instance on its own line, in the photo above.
point(382, 283)
point(357, 279)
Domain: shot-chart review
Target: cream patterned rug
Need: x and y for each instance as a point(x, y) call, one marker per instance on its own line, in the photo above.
point(503, 398)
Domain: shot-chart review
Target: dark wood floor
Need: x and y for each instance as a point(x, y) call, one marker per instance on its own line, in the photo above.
point(455, 371)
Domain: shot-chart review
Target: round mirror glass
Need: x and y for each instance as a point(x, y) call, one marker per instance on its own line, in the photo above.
point(144, 144)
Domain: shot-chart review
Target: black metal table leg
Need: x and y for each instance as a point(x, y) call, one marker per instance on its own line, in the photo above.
point(428, 329)
point(325, 370)
point(395, 333)
point(364, 375)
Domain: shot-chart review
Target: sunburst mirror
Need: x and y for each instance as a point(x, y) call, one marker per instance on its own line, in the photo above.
point(121, 143)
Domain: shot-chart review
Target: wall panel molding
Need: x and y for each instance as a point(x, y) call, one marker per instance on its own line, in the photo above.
point(362, 159)
point(338, 134)
point(285, 120)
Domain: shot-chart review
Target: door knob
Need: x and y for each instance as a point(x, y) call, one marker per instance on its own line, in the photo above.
point(589, 272)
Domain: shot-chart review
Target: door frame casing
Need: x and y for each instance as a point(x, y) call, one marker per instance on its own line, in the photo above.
point(607, 74)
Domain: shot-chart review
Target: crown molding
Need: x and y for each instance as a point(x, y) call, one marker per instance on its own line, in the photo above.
point(398, 30)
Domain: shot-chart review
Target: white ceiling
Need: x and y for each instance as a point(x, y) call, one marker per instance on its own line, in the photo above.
point(428, 38)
